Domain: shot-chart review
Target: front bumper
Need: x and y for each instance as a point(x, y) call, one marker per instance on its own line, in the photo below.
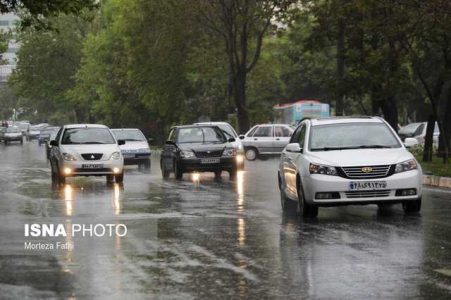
point(12, 138)
point(195, 164)
point(103, 167)
point(340, 187)
point(135, 158)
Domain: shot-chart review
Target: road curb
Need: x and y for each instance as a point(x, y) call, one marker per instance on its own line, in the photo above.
point(437, 181)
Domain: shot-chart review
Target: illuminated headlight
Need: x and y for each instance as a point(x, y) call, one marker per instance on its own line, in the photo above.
point(407, 165)
point(322, 169)
point(68, 157)
point(115, 156)
point(229, 152)
point(186, 154)
point(67, 171)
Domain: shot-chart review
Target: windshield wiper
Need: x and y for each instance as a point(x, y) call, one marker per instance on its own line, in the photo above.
point(373, 146)
point(351, 148)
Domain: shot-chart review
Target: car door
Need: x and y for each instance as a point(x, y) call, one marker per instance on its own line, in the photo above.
point(282, 136)
point(289, 162)
point(263, 139)
point(169, 149)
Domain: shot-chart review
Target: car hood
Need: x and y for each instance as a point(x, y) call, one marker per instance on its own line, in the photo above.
point(204, 147)
point(134, 145)
point(106, 150)
point(360, 157)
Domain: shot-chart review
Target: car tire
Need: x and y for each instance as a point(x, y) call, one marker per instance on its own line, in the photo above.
point(233, 174)
point(251, 154)
point(413, 206)
point(164, 172)
point(178, 170)
point(146, 164)
point(119, 178)
point(305, 210)
point(6, 142)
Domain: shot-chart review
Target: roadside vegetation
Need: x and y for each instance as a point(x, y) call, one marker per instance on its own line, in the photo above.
point(152, 64)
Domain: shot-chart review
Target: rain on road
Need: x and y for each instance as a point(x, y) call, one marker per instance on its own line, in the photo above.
point(204, 238)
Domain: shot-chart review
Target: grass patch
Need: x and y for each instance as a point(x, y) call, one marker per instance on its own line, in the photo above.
point(436, 167)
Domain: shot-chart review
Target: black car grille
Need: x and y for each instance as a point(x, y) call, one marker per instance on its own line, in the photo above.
point(92, 156)
point(206, 154)
point(366, 172)
point(368, 194)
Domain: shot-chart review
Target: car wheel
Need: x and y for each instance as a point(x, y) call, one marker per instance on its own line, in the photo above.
point(178, 171)
point(109, 178)
point(164, 172)
point(119, 178)
point(251, 154)
point(286, 204)
point(233, 174)
point(412, 206)
point(6, 142)
point(305, 210)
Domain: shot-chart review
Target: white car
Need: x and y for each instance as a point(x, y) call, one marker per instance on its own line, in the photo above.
point(266, 139)
point(136, 151)
point(339, 161)
point(86, 150)
point(230, 132)
point(417, 131)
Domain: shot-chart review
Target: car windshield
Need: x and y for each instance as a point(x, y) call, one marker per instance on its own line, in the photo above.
point(87, 136)
point(12, 130)
point(201, 135)
point(129, 135)
point(351, 136)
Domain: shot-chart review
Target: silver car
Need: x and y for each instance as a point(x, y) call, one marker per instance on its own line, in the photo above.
point(265, 139)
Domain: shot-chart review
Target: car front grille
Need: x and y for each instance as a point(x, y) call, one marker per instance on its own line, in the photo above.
point(366, 172)
point(368, 194)
point(206, 154)
point(92, 156)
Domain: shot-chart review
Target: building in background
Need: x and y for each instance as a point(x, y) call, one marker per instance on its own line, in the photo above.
point(8, 23)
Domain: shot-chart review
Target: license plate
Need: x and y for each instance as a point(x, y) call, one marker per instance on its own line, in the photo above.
point(367, 185)
point(129, 155)
point(210, 161)
point(86, 166)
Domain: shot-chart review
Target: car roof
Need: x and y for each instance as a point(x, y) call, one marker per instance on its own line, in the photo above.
point(85, 126)
point(212, 123)
point(194, 126)
point(343, 120)
point(117, 129)
point(268, 124)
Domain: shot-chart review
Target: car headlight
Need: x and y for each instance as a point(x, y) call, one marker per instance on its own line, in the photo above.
point(322, 169)
point(115, 156)
point(186, 154)
point(68, 157)
point(229, 152)
point(407, 165)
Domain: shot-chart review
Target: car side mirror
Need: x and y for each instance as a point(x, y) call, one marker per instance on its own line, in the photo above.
point(121, 142)
point(410, 142)
point(231, 140)
point(53, 143)
point(294, 148)
point(241, 137)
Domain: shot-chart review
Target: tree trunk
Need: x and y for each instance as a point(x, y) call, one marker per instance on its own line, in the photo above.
point(390, 111)
point(428, 141)
point(340, 68)
point(239, 95)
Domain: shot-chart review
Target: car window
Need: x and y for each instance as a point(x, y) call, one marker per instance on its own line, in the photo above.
point(301, 138)
point(58, 135)
point(200, 135)
point(282, 131)
point(263, 131)
point(171, 136)
point(419, 130)
point(228, 130)
point(87, 136)
point(251, 133)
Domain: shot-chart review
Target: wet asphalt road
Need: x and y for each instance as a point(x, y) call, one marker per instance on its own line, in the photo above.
point(212, 239)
